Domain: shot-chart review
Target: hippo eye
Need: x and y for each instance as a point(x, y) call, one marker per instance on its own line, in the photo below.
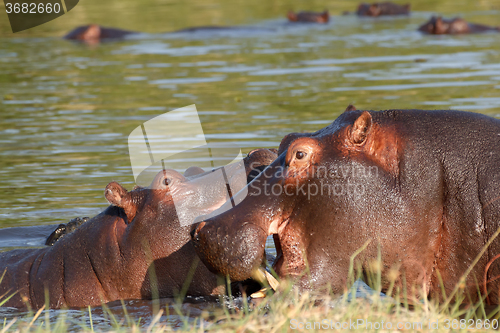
point(167, 181)
point(299, 155)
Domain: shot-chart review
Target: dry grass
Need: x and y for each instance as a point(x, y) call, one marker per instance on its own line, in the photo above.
point(286, 310)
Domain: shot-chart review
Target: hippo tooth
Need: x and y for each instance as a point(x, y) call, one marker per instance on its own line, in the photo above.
point(260, 294)
point(272, 281)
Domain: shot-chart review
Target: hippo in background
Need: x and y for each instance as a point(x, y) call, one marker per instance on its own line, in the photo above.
point(440, 26)
point(93, 34)
point(309, 17)
point(134, 249)
point(381, 9)
point(416, 189)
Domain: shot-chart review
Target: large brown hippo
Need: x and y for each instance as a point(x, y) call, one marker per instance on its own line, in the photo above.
point(136, 248)
point(382, 9)
point(440, 26)
point(308, 17)
point(423, 187)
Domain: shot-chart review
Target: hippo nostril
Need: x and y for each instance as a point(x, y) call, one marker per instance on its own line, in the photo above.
point(196, 230)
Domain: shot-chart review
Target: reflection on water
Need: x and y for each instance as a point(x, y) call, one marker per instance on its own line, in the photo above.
point(67, 109)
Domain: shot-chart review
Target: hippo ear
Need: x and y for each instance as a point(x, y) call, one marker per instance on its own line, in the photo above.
point(115, 194)
point(119, 197)
point(361, 128)
point(350, 107)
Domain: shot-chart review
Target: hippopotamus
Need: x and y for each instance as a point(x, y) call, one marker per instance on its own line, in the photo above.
point(382, 9)
point(415, 192)
point(309, 17)
point(440, 26)
point(136, 248)
point(94, 33)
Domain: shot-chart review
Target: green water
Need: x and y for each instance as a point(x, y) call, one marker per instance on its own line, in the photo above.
point(66, 109)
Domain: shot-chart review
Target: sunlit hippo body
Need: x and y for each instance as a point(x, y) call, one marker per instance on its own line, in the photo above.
point(420, 186)
point(440, 26)
point(133, 249)
point(309, 17)
point(382, 9)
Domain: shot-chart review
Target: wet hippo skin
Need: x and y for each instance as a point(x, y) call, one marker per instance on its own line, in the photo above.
point(421, 186)
point(111, 256)
point(309, 17)
point(382, 9)
point(440, 26)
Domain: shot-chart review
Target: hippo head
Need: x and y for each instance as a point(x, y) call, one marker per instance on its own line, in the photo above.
point(440, 26)
point(365, 9)
point(309, 17)
point(152, 211)
point(314, 181)
point(190, 189)
point(150, 230)
point(92, 34)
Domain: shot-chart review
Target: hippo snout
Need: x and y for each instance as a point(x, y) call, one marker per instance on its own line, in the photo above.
point(229, 248)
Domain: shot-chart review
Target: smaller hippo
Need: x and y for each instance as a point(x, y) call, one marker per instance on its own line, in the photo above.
point(382, 9)
point(94, 33)
point(135, 249)
point(440, 26)
point(309, 17)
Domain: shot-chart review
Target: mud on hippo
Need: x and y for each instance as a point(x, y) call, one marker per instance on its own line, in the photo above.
point(421, 187)
point(133, 249)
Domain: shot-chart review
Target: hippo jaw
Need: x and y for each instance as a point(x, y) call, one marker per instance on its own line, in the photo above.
point(247, 250)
